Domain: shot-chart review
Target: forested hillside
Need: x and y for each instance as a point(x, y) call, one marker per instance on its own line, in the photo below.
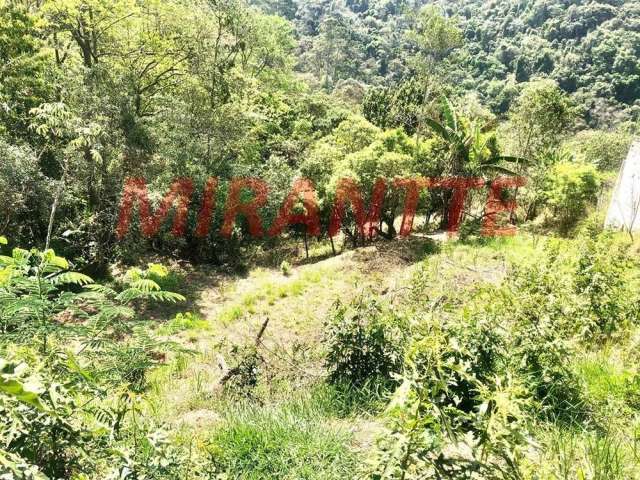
point(590, 48)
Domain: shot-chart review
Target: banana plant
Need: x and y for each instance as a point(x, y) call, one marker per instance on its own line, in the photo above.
point(471, 148)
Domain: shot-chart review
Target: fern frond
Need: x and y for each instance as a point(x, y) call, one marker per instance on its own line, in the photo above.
point(166, 297)
point(73, 278)
point(145, 285)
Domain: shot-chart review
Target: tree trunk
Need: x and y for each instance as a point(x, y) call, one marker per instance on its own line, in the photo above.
point(54, 207)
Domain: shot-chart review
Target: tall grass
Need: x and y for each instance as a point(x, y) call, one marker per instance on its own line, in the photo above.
point(295, 440)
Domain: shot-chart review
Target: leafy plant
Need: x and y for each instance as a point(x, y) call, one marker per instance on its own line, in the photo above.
point(604, 276)
point(285, 268)
point(365, 340)
point(44, 431)
point(570, 189)
point(469, 146)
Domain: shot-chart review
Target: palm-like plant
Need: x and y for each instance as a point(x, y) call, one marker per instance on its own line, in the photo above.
point(471, 148)
point(39, 296)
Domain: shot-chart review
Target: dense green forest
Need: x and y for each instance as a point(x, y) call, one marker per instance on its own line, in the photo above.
point(338, 355)
point(589, 47)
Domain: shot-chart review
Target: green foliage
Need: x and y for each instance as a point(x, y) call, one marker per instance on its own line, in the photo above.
point(354, 134)
point(604, 277)
point(539, 118)
point(443, 421)
point(586, 47)
point(26, 193)
point(26, 70)
point(470, 147)
point(570, 189)
point(182, 322)
point(42, 426)
point(285, 268)
point(245, 374)
point(365, 340)
point(94, 91)
point(479, 372)
point(155, 277)
point(33, 291)
point(604, 149)
point(289, 441)
point(69, 412)
point(38, 300)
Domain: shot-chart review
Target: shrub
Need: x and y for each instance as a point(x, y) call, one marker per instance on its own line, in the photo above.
point(365, 340)
point(26, 197)
point(570, 188)
point(41, 298)
point(163, 276)
point(285, 268)
point(541, 307)
point(42, 423)
point(446, 423)
point(603, 277)
point(56, 417)
point(243, 377)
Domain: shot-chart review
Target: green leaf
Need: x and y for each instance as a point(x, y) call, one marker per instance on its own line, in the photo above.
point(166, 297)
point(26, 392)
point(74, 278)
point(449, 114)
point(157, 269)
point(437, 127)
point(74, 366)
point(145, 285)
point(18, 468)
point(52, 259)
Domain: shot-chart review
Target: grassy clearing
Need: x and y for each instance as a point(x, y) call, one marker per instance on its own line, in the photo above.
point(297, 439)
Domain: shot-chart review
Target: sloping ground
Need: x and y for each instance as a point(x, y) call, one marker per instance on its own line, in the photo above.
point(188, 391)
point(296, 305)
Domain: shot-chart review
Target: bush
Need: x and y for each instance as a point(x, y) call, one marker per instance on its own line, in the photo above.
point(242, 379)
point(41, 422)
point(542, 309)
point(365, 340)
point(285, 268)
point(26, 198)
point(59, 418)
point(164, 277)
point(452, 417)
point(569, 190)
point(604, 277)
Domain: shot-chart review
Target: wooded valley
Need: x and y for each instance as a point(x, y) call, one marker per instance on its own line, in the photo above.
point(232, 244)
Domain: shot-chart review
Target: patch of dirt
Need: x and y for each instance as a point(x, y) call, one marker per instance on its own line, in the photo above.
point(200, 419)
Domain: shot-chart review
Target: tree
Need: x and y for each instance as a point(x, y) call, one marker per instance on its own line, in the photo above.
point(25, 69)
point(435, 37)
point(541, 116)
point(539, 120)
point(471, 148)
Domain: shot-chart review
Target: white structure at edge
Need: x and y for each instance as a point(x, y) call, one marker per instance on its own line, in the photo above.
point(624, 209)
